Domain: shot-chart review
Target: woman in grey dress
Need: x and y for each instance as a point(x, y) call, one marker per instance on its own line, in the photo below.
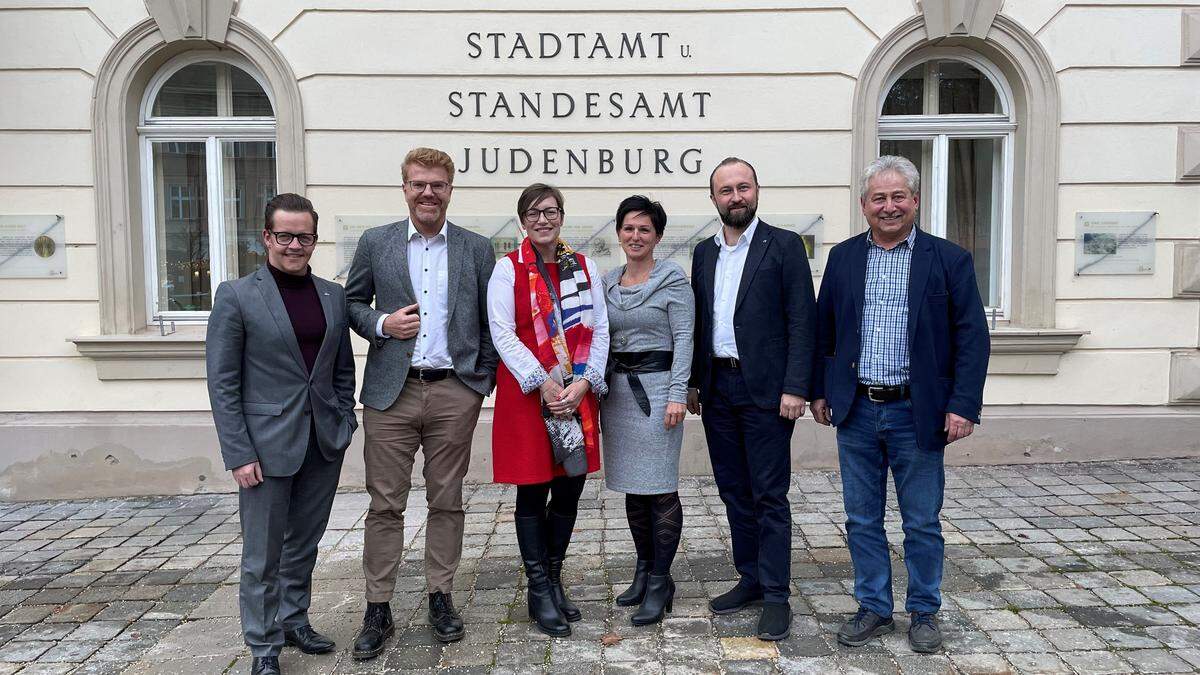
point(650, 313)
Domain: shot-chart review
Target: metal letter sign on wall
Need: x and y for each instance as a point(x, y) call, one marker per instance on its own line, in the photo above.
point(1115, 243)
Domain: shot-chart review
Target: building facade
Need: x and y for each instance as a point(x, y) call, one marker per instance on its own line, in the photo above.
point(1058, 141)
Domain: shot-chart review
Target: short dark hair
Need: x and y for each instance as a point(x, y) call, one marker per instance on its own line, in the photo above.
point(726, 162)
point(289, 201)
point(642, 204)
point(534, 194)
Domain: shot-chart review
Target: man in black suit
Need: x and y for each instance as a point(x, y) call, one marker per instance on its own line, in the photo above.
point(751, 368)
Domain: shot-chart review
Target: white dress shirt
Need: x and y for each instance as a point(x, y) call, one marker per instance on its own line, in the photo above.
point(731, 260)
point(427, 269)
point(524, 366)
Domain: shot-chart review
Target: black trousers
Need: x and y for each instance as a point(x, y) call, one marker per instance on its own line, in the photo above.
point(283, 519)
point(750, 449)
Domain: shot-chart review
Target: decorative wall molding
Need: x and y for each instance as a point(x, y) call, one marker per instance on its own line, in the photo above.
point(192, 19)
point(1031, 75)
point(1017, 351)
point(150, 356)
point(1185, 377)
point(1187, 269)
point(1189, 153)
point(959, 17)
point(1191, 37)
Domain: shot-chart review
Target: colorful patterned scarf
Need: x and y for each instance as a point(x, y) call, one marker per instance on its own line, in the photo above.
point(555, 342)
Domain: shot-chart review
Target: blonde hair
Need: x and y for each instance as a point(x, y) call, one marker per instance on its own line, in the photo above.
point(430, 158)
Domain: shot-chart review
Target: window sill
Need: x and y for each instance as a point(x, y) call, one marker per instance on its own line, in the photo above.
point(180, 356)
point(147, 356)
point(1030, 351)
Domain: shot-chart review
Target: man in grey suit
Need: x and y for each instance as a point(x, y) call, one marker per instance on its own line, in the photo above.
point(281, 385)
point(431, 363)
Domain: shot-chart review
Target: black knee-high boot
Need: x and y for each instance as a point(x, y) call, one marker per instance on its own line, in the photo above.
point(560, 528)
point(531, 539)
point(638, 513)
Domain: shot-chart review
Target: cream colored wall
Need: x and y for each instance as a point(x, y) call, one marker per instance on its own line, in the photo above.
point(365, 72)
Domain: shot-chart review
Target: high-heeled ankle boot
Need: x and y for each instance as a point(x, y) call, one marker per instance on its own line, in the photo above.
point(660, 595)
point(543, 611)
point(637, 588)
point(560, 529)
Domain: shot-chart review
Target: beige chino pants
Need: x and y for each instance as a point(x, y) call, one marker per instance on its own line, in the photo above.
point(440, 418)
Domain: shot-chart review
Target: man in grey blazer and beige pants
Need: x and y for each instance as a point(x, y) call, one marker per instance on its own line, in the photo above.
point(431, 363)
point(281, 385)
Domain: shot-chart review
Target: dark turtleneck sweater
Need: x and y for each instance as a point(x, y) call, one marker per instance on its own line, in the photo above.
point(304, 309)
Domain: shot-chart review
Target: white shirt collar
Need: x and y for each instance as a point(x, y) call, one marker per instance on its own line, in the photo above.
point(746, 236)
point(414, 232)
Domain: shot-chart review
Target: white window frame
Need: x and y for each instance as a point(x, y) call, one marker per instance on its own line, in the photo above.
point(940, 129)
point(211, 131)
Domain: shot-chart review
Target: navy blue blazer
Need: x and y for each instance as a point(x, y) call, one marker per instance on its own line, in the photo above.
point(947, 333)
point(774, 317)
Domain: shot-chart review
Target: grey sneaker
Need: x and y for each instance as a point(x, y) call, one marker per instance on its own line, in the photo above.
point(863, 626)
point(924, 635)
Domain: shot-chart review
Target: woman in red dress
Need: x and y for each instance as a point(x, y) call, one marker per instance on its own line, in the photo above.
point(549, 324)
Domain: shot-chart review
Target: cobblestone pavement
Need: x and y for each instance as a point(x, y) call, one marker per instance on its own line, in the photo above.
point(1088, 568)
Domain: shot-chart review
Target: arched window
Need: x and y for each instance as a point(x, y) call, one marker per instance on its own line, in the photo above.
point(207, 138)
point(953, 117)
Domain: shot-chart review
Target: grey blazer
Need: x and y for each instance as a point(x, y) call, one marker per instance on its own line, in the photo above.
point(379, 274)
point(260, 390)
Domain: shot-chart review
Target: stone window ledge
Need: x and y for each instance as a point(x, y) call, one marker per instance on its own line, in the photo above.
point(1030, 351)
point(147, 356)
point(180, 356)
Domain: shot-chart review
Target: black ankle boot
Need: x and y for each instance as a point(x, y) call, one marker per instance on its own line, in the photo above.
point(377, 627)
point(560, 529)
point(542, 610)
point(660, 594)
point(637, 588)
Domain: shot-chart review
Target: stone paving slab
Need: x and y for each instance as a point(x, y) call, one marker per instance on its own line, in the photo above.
point(1067, 568)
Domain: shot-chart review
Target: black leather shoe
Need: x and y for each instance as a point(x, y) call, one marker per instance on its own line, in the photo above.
point(445, 621)
point(376, 629)
point(308, 640)
point(863, 627)
point(775, 623)
point(657, 601)
point(637, 588)
point(737, 598)
point(265, 665)
point(924, 635)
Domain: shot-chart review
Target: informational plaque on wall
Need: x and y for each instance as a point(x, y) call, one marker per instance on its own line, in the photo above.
point(32, 247)
point(349, 229)
point(1117, 242)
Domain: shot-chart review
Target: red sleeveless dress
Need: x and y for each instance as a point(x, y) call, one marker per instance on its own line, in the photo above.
point(521, 453)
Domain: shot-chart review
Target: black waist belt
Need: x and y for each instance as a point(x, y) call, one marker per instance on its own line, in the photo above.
point(882, 394)
point(726, 362)
point(633, 364)
point(429, 374)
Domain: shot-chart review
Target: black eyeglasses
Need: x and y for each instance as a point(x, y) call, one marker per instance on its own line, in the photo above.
point(285, 238)
point(552, 214)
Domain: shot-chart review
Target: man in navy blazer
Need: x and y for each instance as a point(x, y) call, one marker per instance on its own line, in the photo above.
point(902, 352)
point(751, 372)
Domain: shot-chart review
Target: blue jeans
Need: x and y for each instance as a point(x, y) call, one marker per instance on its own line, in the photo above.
point(873, 437)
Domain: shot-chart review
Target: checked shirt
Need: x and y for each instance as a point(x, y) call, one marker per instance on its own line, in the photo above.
point(884, 357)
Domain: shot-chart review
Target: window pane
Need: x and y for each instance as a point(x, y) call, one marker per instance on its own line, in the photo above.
point(920, 153)
point(962, 89)
point(248, 172)
point(181, 226)
point(907, 95)
point(191, 92)
point(972, 209)
point(249, 99)
point(211, 89)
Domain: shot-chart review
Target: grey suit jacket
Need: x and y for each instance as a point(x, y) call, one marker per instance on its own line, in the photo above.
point(261, 392)
point(379, 274)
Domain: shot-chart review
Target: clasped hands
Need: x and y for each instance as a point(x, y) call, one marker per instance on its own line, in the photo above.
point(562, 401)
